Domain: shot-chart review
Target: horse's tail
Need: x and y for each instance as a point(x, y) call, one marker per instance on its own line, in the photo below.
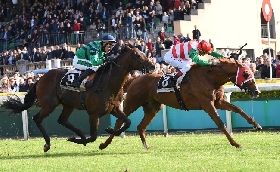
point(14, 103)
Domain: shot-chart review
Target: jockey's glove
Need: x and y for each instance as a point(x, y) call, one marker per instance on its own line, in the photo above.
point(108, 59)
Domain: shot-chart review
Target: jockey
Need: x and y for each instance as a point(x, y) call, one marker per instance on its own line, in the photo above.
point(182, 55)
point(91, 56)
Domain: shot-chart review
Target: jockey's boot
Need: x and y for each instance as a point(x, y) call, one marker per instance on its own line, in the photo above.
point(77, 83)
point(175, 78)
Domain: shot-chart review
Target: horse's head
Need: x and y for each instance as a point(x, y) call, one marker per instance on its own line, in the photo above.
point(241, 76)
point(137, 60)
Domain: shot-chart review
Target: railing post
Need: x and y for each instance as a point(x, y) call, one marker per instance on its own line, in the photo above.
point(228, 114)
point(164, 116)
point(25, 124)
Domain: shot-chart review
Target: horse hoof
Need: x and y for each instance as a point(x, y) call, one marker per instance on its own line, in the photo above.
point(258, 127)
point(109, 130)
point(102, 146)
point(71, 139)
point(46, 147)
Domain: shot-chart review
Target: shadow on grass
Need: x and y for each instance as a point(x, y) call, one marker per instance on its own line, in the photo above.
point(70, 154)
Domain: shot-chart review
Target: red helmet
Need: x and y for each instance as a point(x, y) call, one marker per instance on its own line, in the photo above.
point(204, 46)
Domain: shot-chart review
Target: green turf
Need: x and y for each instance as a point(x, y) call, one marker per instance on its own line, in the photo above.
point(183, 153)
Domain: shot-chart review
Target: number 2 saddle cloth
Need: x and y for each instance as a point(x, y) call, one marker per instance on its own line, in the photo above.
point(69, 77)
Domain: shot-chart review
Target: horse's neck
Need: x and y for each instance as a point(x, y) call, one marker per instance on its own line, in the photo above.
point(222, 76)
point(117, 77)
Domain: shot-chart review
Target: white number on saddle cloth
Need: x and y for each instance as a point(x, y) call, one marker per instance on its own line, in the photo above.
point(70, 76)
point(164, 81)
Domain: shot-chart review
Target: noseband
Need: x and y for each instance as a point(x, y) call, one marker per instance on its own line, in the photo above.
point(242, 86)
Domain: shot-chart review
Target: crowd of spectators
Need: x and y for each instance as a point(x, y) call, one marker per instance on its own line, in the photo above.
point(46, 29)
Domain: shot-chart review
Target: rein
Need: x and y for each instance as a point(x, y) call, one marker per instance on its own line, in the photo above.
point(118, 65)
point(225, 72)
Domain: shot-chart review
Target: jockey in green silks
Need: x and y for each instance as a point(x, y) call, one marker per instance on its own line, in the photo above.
point(91, 56)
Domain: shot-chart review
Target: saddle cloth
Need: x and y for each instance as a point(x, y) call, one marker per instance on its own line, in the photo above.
point(164, 84)
point(69, 77)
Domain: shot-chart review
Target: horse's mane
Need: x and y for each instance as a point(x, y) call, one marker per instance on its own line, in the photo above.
point(106, 66)
point(224, 60)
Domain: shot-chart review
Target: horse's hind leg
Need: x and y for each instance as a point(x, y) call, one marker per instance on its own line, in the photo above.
point(38, 118)
point(150, 111)
point(225, 105)
point(63, 120)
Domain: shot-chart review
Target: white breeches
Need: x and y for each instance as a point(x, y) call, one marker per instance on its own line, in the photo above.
point(83, 67)
point(183, 65)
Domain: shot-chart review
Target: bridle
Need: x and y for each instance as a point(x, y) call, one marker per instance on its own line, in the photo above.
point(121, 66)
point(244, 84)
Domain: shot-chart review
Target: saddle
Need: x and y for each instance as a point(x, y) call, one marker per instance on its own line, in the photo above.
point(72, 75)
point(165, 83)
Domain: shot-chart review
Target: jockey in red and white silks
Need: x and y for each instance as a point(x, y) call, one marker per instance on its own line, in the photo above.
point(183, 55)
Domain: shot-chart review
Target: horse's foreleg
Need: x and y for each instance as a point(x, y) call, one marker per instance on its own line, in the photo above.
point(118, 125)
point(224, 105)
point(150, 111)
point(118, 113)
point(212, 112)
point(94, 123)
point(63, 120)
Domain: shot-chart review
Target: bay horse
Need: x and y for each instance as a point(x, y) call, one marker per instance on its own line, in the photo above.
point(203, 91)
point(103, 97)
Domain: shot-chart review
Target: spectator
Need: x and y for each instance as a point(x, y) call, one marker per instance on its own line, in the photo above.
point(105, 17)
point(167, 43)
point(162, 34)
point(35, 56)
point(260, 63)
point(278, 69)
point(150, 45)
point(13, 87)
point(43, 55)
point(129, 26)
point(158, 10)
point(22, 85)
point(76, 30)
point(165, 20)
point(100, 28)
point(257, 73)
point(30, 83)
point(196, 33)
point(265, 72)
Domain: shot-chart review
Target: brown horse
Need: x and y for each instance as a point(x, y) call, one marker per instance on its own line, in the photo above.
point(102, 98)
point(203, 90)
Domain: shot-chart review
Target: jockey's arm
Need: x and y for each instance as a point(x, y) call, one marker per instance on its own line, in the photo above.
point(97, 59)
point(215, 54)
point(194, 56)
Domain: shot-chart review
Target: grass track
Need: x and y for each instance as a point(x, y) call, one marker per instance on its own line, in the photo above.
point(182, 153)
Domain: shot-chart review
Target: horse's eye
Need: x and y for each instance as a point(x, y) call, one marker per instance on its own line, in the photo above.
point(246, 74)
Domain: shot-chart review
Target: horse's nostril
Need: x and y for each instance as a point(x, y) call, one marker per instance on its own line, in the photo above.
point(257, 92)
